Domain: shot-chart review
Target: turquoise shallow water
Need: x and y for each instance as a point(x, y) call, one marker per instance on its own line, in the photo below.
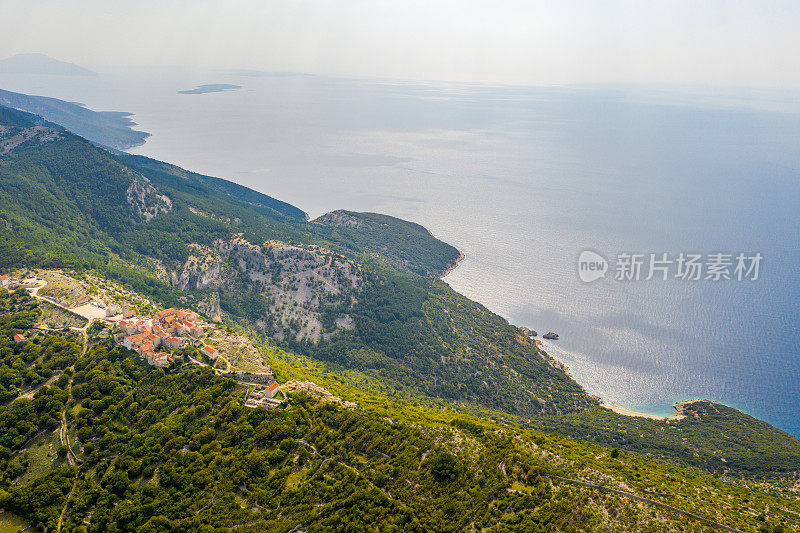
point(522, 180)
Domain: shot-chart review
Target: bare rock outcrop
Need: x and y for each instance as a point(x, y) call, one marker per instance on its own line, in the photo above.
point(342, 219)
point(209, 306)
point(311, 388)
point(300, 284)
point(202, 269)
point(145, 200)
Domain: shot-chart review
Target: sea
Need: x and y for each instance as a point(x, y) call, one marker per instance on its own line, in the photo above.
point(524, 180)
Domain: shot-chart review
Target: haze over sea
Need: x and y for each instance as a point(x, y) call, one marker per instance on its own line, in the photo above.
point(522, 179)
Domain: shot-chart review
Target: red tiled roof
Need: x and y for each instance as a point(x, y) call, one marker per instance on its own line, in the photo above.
point(138, 338)
point(210, 349)
point(19, 337)
point(273, 386)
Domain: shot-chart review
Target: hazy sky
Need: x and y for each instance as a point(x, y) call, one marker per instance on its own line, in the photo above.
point(753, 43)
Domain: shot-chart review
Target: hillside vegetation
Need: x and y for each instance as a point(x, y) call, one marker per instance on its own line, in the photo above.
point(175, 450)
point(408, 245)
point(460, 423)
point(108, 128)
point(139, 221)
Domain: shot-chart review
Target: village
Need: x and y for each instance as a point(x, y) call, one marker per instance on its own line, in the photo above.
point(166, 331)
point(160, 339)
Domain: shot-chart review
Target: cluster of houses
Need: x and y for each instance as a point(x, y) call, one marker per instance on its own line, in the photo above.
point(166, 331)
point(155, 339)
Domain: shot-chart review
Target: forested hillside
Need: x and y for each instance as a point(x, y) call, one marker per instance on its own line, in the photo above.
point(151, 225)
point(462, 422)
point(175, 450)
point(408, 245)
point(104, 128)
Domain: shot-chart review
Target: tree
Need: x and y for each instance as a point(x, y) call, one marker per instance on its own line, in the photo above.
point(445, 467)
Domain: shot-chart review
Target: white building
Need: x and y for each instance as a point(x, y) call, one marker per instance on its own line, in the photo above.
point(271, 390)
point(210, 352)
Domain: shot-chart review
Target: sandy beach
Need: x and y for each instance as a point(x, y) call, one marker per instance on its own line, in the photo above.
point(627, 412)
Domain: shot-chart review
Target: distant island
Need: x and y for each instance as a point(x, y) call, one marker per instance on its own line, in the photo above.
point(211, 88)
point(41, 64)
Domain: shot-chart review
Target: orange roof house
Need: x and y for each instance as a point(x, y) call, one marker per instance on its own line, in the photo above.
point(186, 314)
point(173, 342)
point(272, 389)
point(209, 351)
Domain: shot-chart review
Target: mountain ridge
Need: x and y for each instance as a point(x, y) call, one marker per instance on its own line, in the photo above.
point(35, 63)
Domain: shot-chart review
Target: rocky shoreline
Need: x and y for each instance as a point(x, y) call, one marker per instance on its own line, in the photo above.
point(455, 264)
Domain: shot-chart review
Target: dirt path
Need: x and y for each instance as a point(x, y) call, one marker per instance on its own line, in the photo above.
point(63, 432)
point(195, 361)
point(216, 370)
point(88, 311)
point(64, 438)
point(64, 510)
point(83, 330)
point(247, 393)
point(35, 290)
point(31, 392)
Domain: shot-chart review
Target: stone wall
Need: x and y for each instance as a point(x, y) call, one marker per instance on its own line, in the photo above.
point(249, 377)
